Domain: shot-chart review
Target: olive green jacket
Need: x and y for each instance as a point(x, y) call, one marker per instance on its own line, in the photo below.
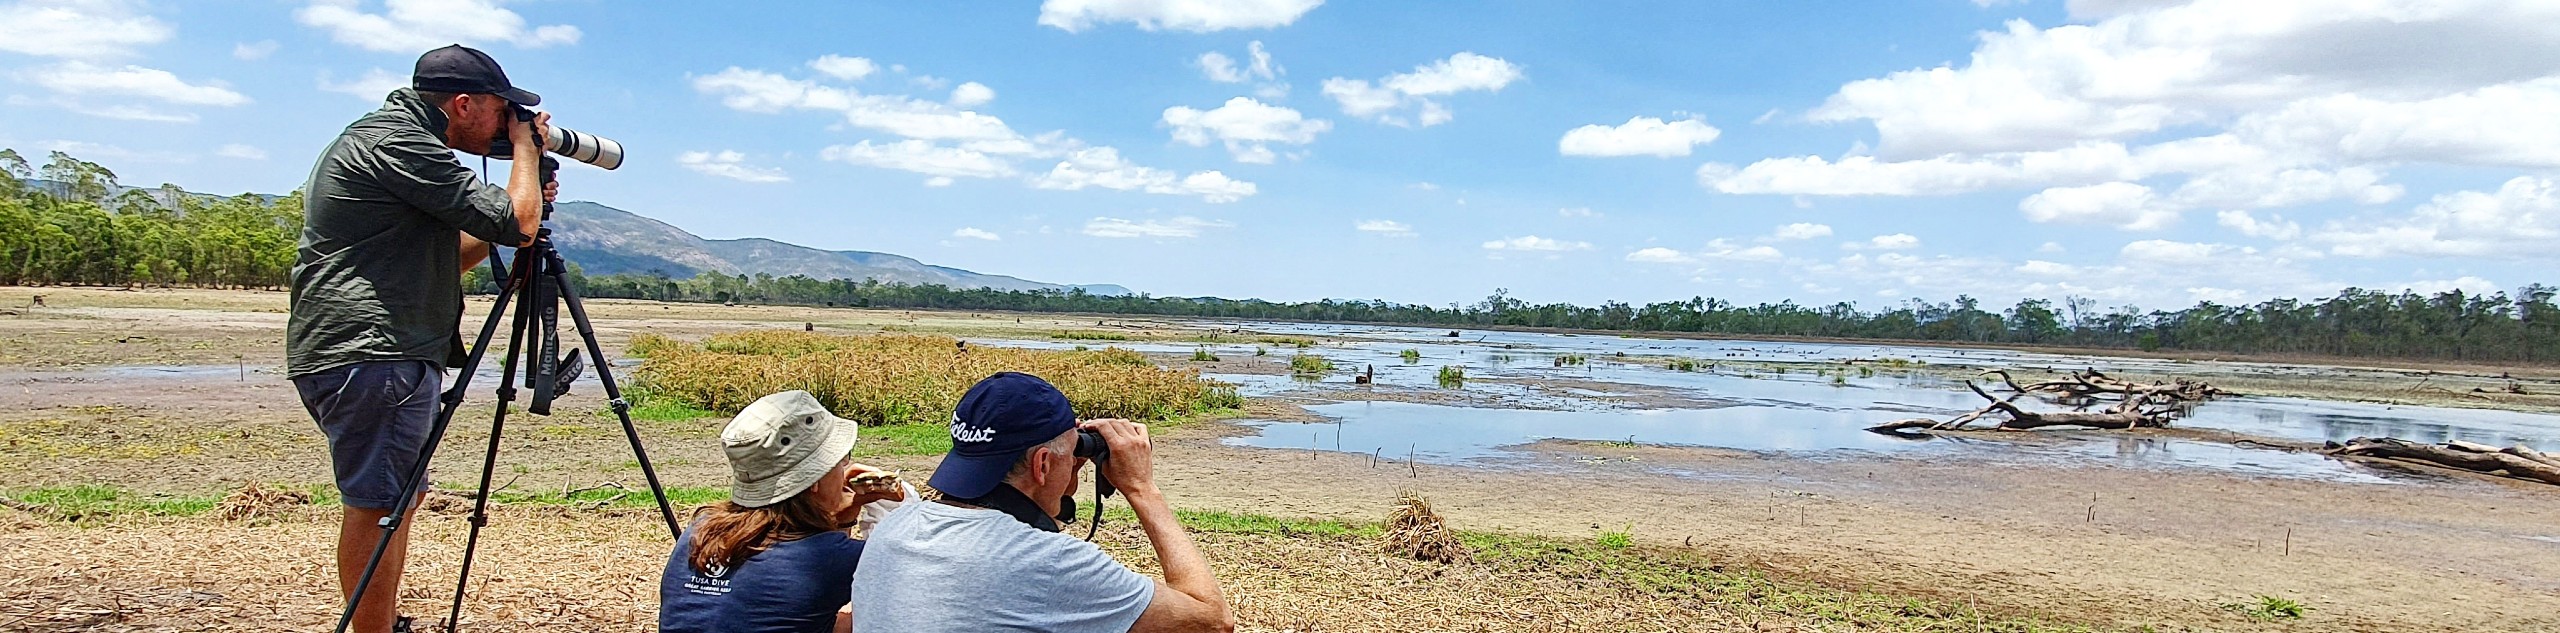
point(377, 276)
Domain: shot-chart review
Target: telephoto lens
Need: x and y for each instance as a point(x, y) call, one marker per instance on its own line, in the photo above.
point(586, 148)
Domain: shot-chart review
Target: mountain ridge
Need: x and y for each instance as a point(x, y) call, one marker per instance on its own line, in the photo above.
point(604, 240)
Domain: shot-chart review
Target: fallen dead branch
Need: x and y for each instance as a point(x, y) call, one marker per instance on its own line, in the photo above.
point(2138, 404)
point(2516, 461)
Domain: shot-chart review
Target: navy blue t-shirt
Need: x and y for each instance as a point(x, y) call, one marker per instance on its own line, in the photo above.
point(791, 587)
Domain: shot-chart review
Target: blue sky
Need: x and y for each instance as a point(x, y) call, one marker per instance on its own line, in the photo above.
point(2143, 152)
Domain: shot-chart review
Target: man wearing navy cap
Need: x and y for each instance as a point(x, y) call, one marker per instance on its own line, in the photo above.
point(989, 556)
point(390, 222)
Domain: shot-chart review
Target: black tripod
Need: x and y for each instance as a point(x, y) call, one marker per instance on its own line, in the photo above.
point(541, 284)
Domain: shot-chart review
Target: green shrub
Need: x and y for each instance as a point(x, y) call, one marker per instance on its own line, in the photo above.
point(1452, 376)
point(1309, 364)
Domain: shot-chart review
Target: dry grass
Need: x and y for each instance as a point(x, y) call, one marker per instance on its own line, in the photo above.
point(1415, 532)
point(563, 568)
point(258, 500)
point(895, 379)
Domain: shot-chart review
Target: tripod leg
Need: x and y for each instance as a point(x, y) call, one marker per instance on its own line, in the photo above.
point(497, 425)
point(417, 476)
point(621, 407)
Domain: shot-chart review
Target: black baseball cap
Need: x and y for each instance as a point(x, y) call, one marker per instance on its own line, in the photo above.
point(998, 419)
point(466, 70)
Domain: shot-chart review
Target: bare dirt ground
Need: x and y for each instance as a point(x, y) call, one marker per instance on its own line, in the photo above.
point(2116, 548)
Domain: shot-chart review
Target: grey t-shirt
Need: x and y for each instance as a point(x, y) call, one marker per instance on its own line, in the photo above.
point(932, 567)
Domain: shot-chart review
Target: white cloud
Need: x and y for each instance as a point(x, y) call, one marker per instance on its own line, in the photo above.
point(242, 152)
point(921, 157)
point(1536, 244)
point(972, 94)
point(729, 164)
point(1577, 212)
point(415, 26)
point(78, 29)
point(253, 51)
point(1103, 167)
point(939, 181)
point(79, 78)
point(2041, 268)
point(1197, 16)
point(1176, 228)
point(1220, 68)
point(1802, 231)
point(2122, 205)
point(1893, 242)
point(1245, 126)
point(842, 67)
point(1660, 255)
point(1639, 136)
point(2051, 247)
point(1391, 97)
point(974, 233)
point(2468, 284)
point(2207, 104)
point(373, 86)
point(1223, 69)
point(2274, 227)
point(2521, 220)
point(945, 141)
point(1388, 228)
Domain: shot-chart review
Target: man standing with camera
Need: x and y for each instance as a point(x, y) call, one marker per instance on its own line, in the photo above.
point(989, 555)
point(390, 222)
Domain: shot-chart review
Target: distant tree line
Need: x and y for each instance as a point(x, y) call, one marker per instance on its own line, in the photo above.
point(2451, 325)
point(69, 222)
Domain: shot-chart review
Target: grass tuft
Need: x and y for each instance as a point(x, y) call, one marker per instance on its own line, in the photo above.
point(1452, 376)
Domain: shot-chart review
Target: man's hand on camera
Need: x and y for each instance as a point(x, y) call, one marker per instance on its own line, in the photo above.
point(1132, 466)
point(534, 134)
point(551, 190)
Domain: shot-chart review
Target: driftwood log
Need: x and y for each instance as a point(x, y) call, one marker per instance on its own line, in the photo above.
point(2089, 383)
point(2139, 404)
point(2515, 461)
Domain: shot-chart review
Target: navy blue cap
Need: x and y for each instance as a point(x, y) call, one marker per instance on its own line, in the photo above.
point(465, 70)
point(998, 419)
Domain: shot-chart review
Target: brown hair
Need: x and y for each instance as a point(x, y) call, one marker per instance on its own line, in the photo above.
point(726, 533)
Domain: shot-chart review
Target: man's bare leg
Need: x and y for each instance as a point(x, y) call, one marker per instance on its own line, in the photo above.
point(358, 530)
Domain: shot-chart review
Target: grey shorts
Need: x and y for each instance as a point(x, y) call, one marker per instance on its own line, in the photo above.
point(376, 415)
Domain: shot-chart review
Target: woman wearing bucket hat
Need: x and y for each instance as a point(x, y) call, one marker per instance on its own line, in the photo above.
point(778, 556)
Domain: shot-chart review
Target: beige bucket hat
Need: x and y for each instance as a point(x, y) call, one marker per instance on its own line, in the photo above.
point(780, 445)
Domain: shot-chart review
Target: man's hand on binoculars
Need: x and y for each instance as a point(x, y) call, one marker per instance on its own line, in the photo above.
point(1132, 464)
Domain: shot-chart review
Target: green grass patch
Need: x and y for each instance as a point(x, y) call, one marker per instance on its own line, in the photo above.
point(2267, 608)
point(1411, 356)
point(1201, 354)
point(86, 503)
point(903, 439)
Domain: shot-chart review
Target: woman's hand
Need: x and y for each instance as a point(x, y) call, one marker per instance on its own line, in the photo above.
point(865, 484)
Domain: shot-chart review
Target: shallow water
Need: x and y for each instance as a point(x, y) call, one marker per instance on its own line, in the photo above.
point(1755, 408)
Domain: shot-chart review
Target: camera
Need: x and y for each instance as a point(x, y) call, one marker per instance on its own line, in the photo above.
point(578, 146)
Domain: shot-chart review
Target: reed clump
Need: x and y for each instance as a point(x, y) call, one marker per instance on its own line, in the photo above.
point(1414, 531)
point(904, 378)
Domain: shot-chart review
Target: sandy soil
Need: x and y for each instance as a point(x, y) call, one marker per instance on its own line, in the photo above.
point(2115, 547)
